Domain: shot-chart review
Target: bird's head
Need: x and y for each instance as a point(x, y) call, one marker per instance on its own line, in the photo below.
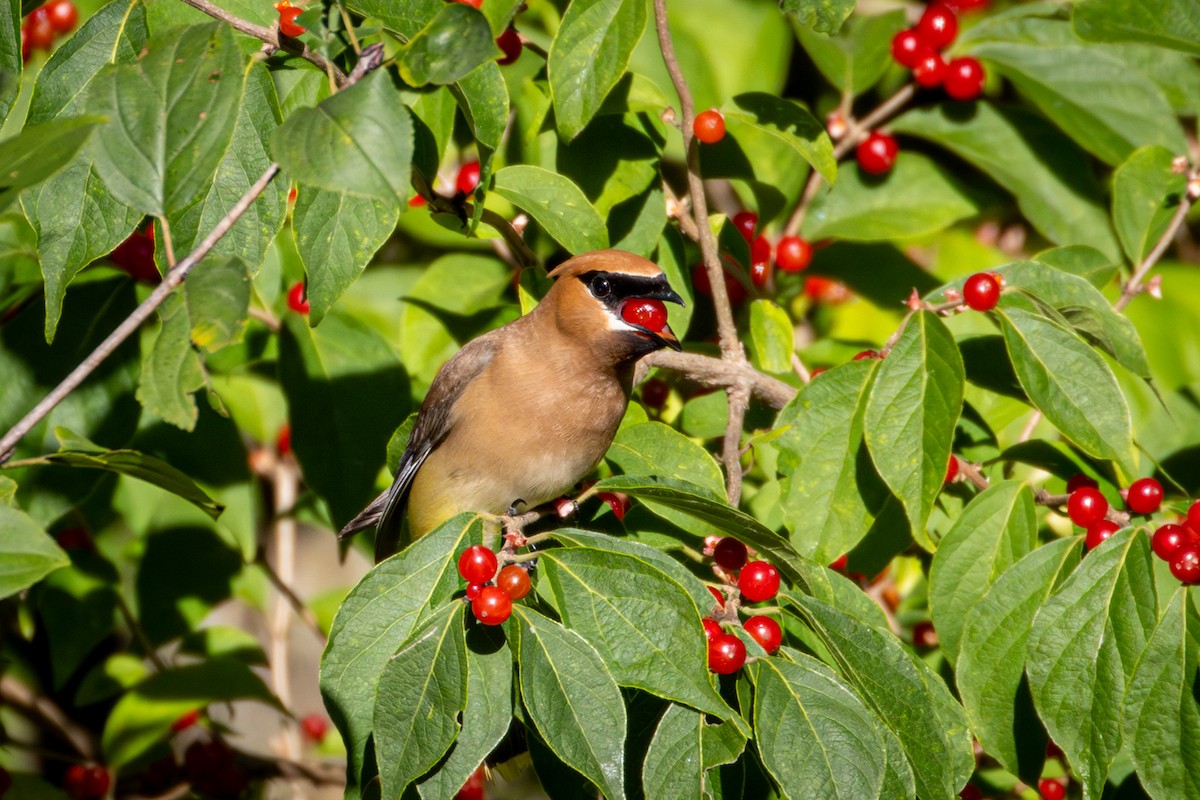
point(611, 300)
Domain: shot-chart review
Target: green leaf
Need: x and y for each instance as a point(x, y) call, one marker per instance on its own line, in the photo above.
point(787, 122)
point(916, 198)
point(683, 748)
point(171, 117)
point(171, 369)
point(996, 529)
point(699, 504)
point(378, 615)
point(1082, 650)
point(771, 337)
point(405, 18)
point(1068, 382)
point(336, 236)
point(1123, 109)
point(341, 446)
point(39, 151)
point(244, 162)
point(59, 207)
point(10, 56)
point(652, 448)
point(829, 491)
point(76, 451)
point(589, 55)
point(454, 42)
point(643, 624)
point(907, 696)
point(217, 292)
point(29, 552)
point(823, 16)
point(483, 97)
point(486, 718)
point(359, 141)
point(1049, 178)
point(991, 664)
point(1171, 23)
point(572, 700)
point(857, 57)
point(142, 717)
point(422, 690)
point(911, 413)
point(814, 734)
point(1146, 192)
point(556, 203)
point(1161, 721)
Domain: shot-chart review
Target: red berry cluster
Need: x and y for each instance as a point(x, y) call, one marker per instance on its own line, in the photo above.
point(918, 48)
point(792, 254)
point(86, 782)
point(45, 24)
point(1179, 544)
point(491, 600)
point(1087, 508)
point(757, 581)
point(211, 770)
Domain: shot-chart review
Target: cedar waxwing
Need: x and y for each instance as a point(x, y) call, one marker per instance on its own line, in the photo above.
point(519, 415)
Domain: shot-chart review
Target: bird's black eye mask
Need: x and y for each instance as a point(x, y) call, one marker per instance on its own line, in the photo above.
point(614, 288)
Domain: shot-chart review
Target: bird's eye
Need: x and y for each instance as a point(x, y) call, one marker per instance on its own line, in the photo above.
point(600, 286)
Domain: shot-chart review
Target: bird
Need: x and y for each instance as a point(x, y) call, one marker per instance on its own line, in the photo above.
point(522, 413)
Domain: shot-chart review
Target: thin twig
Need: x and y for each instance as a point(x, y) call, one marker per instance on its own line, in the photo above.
point(271, 37)
point(302, 611)
point(171, 281)
point(138, 633)
point(168, 242)
point(1133, 286)
point(41, 709)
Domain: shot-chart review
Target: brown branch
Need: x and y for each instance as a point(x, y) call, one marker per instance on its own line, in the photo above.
point(1133, 286)
point(171, 281)
point(731, 452)
point(271, 37)
point(302, 611)
point(42, 710)
point(720, 372)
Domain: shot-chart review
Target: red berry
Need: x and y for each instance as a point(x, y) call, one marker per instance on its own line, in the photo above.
point(135, 256)
point(1145, 496)
point(1086, 506)
point(711, 628)
point(938, 26)
point(492, 606)
point(930, 69)
point(473, 590)
point(906, 46)
point(839, 563)
point(866, 355)
point(792, 254)
point(468, 177)
point(1167, 540)
point(297, 298)
point(283, 442)
point(1193, 516)
point(473, 788)
point(709, 126)
point(1051, 789)
point(514, 581)
point(964, 78)
point(510, 43)
point(765, 631)
point(655, 392)
point(759, 272)
point(726, 654)
point(40, 29)
point(733, 288)
point(746, 222)
point(617, 501)
point(186, 721)
point(474, 3)
point(877, 153)
point(760, 251)
point(730, 554)
point(758, 581)
point(923, 635)
point(63, 15)
point(646, 313)
point(970, 792)
point(1185, 563)
point(26, 46)
point(314, 727)
point(74, 539)
point(1099, 532)
point(287, 19)
point(825, 290)
point(981, 291)
point(951, 469)
point(1078, 481)
point(86, 783)
point(477, 564)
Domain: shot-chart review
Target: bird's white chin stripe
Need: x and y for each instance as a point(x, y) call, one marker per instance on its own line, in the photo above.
point(615, 323)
